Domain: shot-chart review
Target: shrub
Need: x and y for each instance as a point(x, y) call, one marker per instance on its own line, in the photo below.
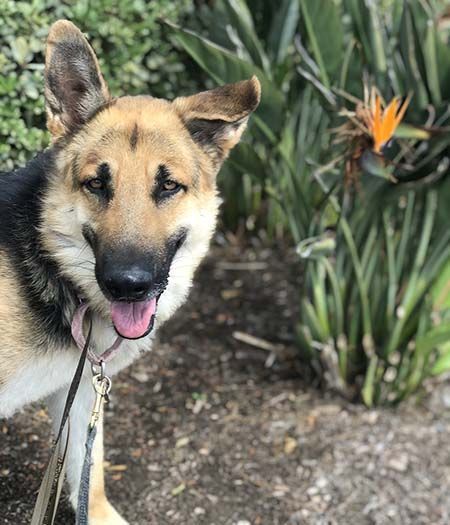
point(134, 55)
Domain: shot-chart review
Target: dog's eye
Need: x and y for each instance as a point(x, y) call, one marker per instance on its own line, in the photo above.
point(170, 185)
point(165, 187)
point(95, 185)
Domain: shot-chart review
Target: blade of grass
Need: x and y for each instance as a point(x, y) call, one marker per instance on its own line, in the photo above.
point(315, 47)
point(431, 63)
point(283, 29)
point(367, 391)
point(412, 293)
point(366, 319)
point(392, 275)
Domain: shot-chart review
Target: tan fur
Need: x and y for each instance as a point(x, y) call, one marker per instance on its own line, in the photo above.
point(100, 510)
point(16, 324)
point(162, 140)
point(191, 137)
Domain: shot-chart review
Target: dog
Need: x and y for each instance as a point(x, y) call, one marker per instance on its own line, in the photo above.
point(118, 212)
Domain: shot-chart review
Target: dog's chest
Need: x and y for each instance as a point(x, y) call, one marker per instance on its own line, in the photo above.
point(44, 374)
point(38, 377)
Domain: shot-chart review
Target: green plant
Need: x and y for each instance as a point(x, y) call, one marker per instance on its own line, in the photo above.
point(370, 304)
point(134, 56)
point(370, 313)
point(370, 324)
point(242, 43)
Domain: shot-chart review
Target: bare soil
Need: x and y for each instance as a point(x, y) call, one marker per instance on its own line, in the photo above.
point(202, 431)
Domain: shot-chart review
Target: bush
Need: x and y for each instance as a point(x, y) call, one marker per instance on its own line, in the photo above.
point(372, 230)
point(134, 55)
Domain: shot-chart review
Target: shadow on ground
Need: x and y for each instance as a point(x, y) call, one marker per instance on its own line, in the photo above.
point(200, 431)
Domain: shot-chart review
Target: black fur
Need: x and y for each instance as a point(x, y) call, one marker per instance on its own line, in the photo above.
point(47, 293)
point(113, 262)
point(90, 236)
point(134, 137)
point(206, 132)
point(159, 194)
point(105, 194)
point(74, 82)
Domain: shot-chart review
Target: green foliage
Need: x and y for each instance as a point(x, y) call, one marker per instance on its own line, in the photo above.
point(239, 45)
point(370, 303)
point(375, 315)
point(134, 55)
point(373, 297)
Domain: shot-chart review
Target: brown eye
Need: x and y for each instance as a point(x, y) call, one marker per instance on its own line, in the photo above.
point(95, 185)
point(170, 185)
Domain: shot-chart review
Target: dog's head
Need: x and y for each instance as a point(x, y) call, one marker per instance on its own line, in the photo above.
point(132, 204)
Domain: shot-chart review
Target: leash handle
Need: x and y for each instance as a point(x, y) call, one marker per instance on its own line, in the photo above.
point(50, 489)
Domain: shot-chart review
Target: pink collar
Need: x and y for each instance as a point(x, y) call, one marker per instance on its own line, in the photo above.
point(80, 340)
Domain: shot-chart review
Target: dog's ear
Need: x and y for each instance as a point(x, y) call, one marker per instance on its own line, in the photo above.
point(217, 118)
point(74, 86)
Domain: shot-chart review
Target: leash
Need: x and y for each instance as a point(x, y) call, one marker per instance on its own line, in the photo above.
point(50, 489)
point(102, 386)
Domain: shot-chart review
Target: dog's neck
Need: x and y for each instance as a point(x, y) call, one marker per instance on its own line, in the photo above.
point(51, 297)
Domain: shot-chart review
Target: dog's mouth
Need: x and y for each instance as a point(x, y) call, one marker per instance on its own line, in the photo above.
point(133, 320)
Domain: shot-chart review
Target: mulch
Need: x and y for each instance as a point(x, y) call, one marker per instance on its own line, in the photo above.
point(208, 429)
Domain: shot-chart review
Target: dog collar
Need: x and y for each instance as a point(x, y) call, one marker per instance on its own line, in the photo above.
point(80, 339)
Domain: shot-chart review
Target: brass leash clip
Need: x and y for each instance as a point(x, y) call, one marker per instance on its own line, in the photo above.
point(102, 386)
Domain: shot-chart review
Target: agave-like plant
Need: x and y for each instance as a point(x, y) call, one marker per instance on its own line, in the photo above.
point(369, 215)
point(379, 299)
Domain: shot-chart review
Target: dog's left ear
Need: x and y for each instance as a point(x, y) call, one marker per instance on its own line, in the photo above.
point(74, 85)
point(217, 118)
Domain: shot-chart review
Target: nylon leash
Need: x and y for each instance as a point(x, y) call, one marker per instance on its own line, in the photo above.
point(50, 489)
point(51, 485)
point(83, 493)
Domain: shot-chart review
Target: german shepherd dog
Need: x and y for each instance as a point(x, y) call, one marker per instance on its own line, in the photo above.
point(117, 212)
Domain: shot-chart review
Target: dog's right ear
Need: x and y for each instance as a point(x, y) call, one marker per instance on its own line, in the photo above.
point(74, 85)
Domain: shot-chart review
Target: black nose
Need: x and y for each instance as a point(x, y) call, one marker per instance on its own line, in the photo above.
point(128, 284)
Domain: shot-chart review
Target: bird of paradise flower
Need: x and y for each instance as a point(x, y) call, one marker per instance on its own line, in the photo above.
point(368, 130)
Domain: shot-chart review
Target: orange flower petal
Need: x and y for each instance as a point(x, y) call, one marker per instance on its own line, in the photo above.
point(386, 121)
point(402, 110)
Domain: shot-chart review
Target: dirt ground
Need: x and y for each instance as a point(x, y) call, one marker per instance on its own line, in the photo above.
point(202, 431)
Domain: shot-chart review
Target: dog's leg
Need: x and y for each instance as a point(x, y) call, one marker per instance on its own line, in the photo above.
point(100, 510)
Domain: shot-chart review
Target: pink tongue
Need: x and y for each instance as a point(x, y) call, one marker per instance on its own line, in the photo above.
point(132, 320)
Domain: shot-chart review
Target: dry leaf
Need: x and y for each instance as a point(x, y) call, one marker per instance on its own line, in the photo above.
point(178, 490)
point(230, 294)
point(182, 442)
point(290, 444)
point(116, 468)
